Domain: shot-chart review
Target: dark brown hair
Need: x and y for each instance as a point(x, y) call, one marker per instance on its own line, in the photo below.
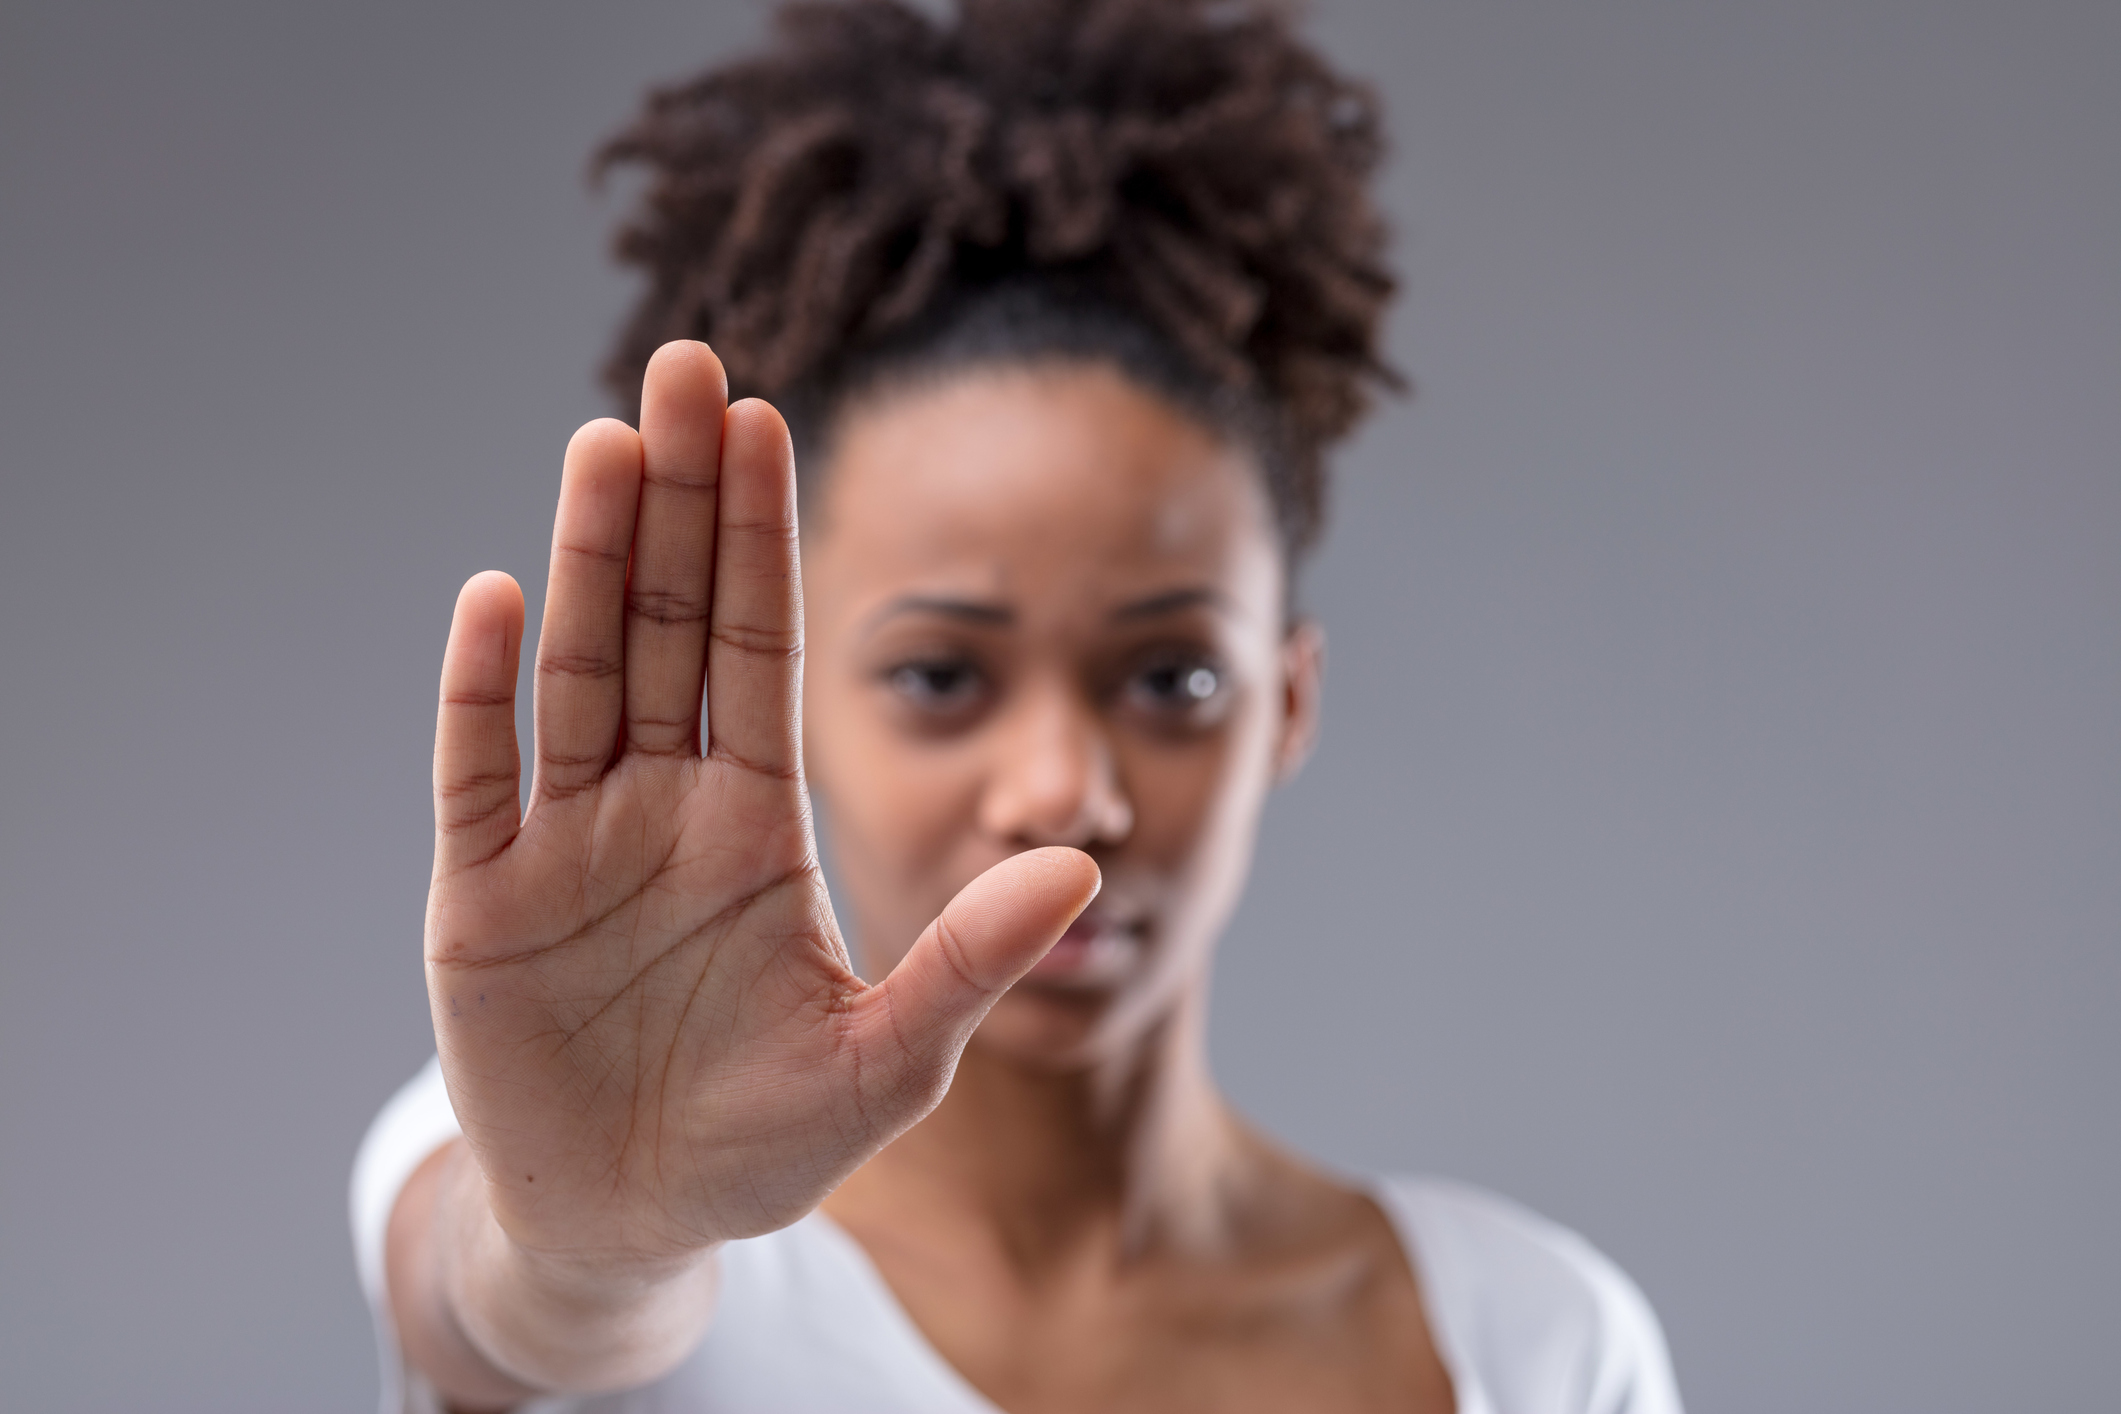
point(1180, 186)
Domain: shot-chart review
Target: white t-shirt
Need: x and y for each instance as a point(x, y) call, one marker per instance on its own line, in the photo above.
point(1527, 1316)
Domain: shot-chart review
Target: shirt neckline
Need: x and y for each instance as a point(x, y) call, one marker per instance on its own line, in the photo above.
point(876, 1293)
point(1391, 1197)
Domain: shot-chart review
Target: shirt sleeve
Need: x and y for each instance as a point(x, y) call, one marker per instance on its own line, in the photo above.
point(1632, 1369)
point(417, 1121)
point(1529, 1317)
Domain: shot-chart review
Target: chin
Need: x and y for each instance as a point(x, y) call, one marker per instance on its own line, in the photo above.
point(1059, 1029)
point(1049, 1028)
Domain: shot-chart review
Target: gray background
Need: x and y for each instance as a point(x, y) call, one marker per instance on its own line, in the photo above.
point(1716, 841)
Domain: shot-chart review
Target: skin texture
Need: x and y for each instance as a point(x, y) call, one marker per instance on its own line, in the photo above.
point(1045, 646)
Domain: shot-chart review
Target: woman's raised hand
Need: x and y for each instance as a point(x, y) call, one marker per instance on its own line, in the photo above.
point(645, 1013)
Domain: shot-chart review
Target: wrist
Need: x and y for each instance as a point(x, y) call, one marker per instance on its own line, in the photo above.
point(566, 1321)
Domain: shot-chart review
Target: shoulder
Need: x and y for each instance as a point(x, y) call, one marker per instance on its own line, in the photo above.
point(1526, 1309)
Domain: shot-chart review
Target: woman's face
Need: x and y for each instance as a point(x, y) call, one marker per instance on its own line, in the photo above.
point(1043, 606)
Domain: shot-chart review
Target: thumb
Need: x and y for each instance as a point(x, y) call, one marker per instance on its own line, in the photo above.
point(983, 941)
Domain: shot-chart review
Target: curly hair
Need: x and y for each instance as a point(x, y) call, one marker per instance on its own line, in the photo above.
point(1180, 186)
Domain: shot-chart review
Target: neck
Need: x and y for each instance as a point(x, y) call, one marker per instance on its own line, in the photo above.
point(1137, 1152)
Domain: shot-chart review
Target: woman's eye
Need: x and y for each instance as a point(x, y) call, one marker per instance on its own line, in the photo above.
point(935, 685)
point(1185, 685)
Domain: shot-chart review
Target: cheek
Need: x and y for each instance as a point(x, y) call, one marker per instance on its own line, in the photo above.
point(899, 813)
point(1196, 810)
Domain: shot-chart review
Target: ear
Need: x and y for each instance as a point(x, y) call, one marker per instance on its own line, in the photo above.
point(1303, 673)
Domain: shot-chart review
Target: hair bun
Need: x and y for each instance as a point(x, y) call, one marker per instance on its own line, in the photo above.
point(1198, 161)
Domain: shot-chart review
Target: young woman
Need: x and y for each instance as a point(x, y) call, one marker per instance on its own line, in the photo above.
point(1063, 301)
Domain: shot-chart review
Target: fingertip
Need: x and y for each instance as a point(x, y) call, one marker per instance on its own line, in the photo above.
point(684, 394)
point(759, 464)
point(1071, 869)
point(489, 599)
point(491, 587)
point(487, 627)
point(600, 441)
point(756, 419)
point(689, 359)
point(1054, 883)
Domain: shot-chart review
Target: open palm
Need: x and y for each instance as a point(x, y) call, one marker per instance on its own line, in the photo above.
point(645, 1012)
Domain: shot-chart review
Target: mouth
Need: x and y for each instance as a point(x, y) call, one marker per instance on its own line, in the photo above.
point(1096, 951)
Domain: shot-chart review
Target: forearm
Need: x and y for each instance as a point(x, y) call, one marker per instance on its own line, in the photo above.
point(492, 1325)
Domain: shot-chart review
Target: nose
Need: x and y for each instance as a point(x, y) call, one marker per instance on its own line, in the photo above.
point(1054, 779)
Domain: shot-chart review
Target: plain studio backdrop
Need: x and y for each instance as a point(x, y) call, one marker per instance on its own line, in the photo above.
point(1716, 837)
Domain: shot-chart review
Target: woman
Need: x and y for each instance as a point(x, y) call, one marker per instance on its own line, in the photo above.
point(1063, 301)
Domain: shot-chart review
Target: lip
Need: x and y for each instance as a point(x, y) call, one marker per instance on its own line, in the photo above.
point(1096, 951)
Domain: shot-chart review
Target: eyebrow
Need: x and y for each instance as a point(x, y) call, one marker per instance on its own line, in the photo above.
point(1171, 602)
point(971, 611)
point(987, 614)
